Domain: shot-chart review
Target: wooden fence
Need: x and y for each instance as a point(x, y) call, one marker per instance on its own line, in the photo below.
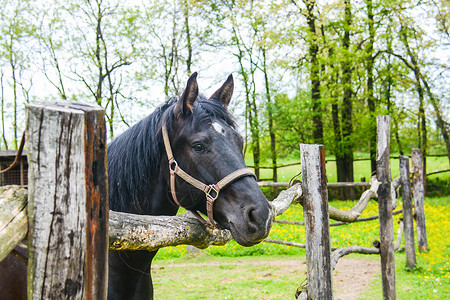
point(320, 260)
point(69, 219)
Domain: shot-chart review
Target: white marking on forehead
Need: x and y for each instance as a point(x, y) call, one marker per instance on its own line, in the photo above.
point(217, 127)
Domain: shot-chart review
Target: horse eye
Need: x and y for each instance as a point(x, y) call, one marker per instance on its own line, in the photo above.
point(198, 147)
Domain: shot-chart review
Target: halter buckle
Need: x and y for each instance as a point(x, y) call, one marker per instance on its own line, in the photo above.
point(173, 165)
point(212, 189)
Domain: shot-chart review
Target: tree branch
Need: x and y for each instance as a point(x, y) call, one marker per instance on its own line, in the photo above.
point(143, 232)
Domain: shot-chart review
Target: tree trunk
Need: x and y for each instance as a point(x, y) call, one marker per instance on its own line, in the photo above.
point(251, 113)
point(314, 74)
point(345, 157)
point(5, 142)
point(188, 37)
point(273, 150)
point(14, 81)
point(255, 133)
point(421, 116)
point(439, 119)
point(370, 87)
point(98, 38)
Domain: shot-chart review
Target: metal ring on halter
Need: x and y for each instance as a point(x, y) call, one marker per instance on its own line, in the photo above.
point(173, 166)
point(212, 188)
point(211, 191)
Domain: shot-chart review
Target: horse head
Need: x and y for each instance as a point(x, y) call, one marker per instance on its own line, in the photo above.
point(207, 147)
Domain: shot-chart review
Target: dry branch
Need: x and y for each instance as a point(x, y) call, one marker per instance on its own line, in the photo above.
point(340, 252)
point(351, 215)
point(287, 243)
point(138, 232)
point(128, 231)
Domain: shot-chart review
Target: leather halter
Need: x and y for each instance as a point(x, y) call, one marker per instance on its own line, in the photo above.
point(211, 191)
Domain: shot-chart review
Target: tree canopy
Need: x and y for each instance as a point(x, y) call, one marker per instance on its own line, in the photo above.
point(306, 71)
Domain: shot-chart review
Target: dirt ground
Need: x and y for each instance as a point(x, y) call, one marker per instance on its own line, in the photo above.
point(351, 277)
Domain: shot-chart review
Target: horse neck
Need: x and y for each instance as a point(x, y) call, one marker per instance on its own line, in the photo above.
point(135, 162)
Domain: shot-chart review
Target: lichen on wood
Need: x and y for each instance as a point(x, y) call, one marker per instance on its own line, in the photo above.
point(13, 218)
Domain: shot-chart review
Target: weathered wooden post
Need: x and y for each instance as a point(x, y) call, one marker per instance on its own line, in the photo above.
point(385, 207)
point(317, 227)
point(407, 212)
point(419, 194)
point(68, 201)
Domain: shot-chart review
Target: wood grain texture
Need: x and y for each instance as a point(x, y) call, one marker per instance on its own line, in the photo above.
point(133, 232)
point(13, 218)
point(385, 207)
point(317, 228)
point(67, 203)
point(407, 213)
point(419, 195)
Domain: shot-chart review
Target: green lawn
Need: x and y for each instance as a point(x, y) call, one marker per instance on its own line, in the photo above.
point(430, 280)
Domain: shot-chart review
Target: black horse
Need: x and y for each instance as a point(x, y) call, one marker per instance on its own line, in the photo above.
point(206, 145)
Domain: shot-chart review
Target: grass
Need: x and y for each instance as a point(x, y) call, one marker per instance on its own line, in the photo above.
point(240, 268)
point(430, 280)
point(213, 277)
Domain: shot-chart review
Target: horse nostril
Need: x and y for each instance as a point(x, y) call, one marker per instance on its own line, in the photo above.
point(251, 218)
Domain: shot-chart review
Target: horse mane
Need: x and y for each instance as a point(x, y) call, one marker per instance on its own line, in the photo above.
point(134, 157)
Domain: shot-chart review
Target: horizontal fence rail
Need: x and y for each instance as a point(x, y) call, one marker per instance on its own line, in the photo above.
point(329, 184)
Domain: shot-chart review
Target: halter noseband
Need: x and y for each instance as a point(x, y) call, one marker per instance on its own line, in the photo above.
point(211, 191)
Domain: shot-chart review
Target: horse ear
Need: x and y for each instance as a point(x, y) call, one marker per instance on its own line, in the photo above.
point(185, 104)
point(224, 93)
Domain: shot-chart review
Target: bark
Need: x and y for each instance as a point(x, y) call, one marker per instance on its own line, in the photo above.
point(68, 201)
point(317, 228)
point(13, 66)
point(352, 214)
point(98, 39)
point(419, 195)
point(123, 234)
point(273, 150)
point(407, 212)
point(141, 232)
point(439, 119)
point(370, 87)
point(420, 92)
point(5, 142)
point(254, 128)
point(13, 218)
point(385, 207)
point(440, 122)
point(188, 36)
point(314, 73)
point(251, 109)
point(345, 157)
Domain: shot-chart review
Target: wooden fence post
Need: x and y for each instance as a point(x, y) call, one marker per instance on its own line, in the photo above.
point(68, 201)
point(385, 207)
point(317, 227)
point(407, 212)
point(419, 194)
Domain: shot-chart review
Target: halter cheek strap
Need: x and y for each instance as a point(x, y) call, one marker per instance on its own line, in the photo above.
point(211, 191)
